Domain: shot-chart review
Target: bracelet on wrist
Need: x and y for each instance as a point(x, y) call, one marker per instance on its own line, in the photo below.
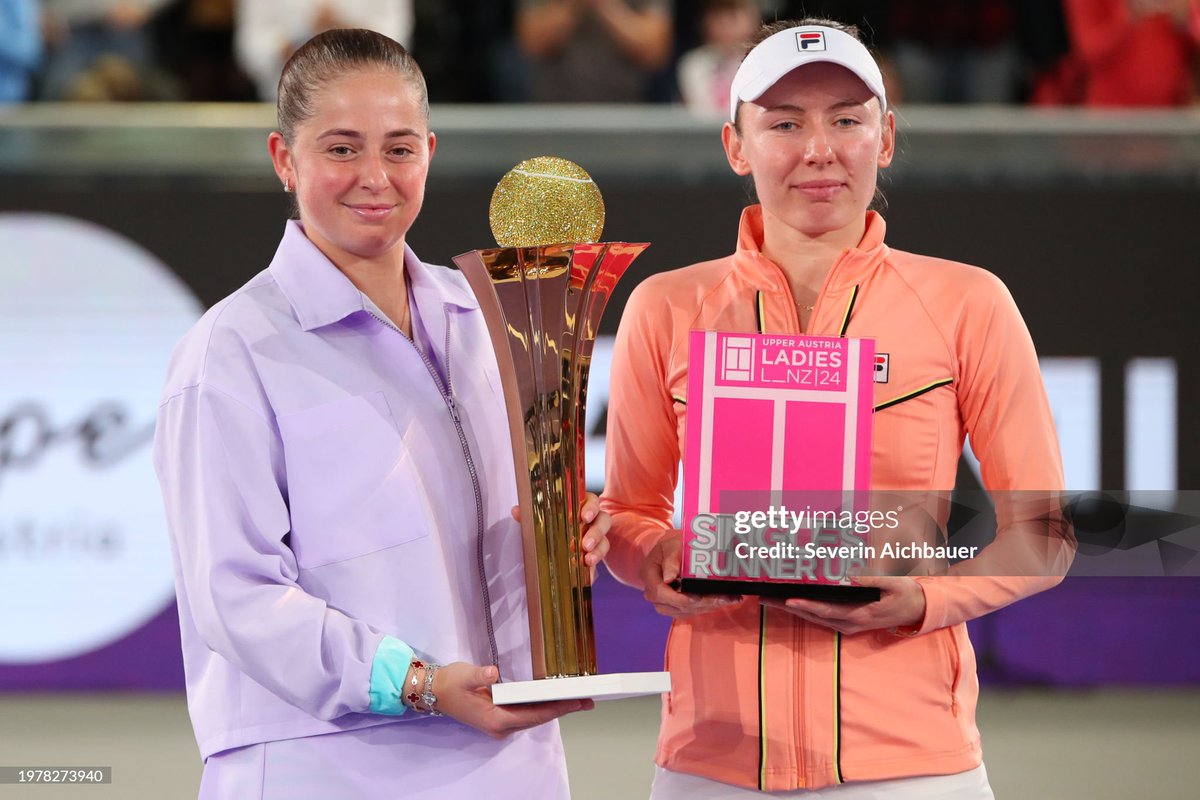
point(428, 698)
point(423, 701)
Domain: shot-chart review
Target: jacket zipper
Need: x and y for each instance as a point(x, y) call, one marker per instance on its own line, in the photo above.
point(447, 392)
point(466, 448)
point(798, 729)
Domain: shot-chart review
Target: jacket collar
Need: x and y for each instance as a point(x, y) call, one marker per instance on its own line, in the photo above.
point(852, 267)
point(320, 294)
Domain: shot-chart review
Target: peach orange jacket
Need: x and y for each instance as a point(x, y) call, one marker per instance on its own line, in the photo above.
point(760, 698)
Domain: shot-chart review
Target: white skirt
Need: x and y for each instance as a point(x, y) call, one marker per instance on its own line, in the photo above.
point(970, 785)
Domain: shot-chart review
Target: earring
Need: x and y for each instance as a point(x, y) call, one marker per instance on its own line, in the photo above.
point(287, 184)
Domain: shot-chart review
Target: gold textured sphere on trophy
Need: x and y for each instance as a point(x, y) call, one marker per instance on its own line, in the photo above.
point(546, 200)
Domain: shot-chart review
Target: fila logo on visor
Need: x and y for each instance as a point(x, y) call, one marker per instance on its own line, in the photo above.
point(882, 362)
point(810, 41)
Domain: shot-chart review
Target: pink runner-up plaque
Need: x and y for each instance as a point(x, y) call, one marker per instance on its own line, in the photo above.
point(777, 465)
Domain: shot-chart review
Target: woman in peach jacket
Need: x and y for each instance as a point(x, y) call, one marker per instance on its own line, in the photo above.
point(840, 700)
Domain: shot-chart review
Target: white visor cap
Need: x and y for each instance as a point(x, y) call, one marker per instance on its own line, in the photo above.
point(780, 53)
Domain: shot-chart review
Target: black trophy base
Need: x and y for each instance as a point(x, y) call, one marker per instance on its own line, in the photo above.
point(811, 591)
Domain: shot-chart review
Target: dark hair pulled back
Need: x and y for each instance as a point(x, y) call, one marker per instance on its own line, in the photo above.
point(331, 55)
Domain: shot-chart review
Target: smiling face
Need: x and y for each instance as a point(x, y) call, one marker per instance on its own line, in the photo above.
point(813, 143)
point(358, 165)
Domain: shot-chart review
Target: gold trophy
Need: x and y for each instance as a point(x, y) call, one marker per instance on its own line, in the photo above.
point(542, 293)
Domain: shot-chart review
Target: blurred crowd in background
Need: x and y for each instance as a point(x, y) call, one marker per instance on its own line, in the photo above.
point(1105, 53)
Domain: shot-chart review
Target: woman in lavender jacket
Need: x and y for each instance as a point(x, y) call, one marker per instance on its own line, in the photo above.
point(336, 469)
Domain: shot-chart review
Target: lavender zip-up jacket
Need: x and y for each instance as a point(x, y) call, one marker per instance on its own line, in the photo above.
point(320, 496)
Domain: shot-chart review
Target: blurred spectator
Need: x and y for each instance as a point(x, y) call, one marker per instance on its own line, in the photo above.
point(1031, 36)
point(706, 72)
point(101, 50)
point(20, 48)
point(955, 51)
point(468, 53)
point(1042, 31)
point(195, 43)
point(594, 51)
point(1135, 52)
point(268, 31)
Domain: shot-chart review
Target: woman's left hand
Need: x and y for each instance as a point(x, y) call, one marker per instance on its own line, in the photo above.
point(596, 523)
point(901, 604)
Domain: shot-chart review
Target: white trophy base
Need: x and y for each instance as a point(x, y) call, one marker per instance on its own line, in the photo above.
point(614, 686)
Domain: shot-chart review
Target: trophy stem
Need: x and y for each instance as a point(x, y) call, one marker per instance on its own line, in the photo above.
point(564, 596)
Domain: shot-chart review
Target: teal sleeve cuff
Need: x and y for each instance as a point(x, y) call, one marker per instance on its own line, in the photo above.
point(388, 670)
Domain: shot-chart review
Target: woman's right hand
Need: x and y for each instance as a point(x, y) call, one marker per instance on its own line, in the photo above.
point(464, 692)
point(661, 568)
